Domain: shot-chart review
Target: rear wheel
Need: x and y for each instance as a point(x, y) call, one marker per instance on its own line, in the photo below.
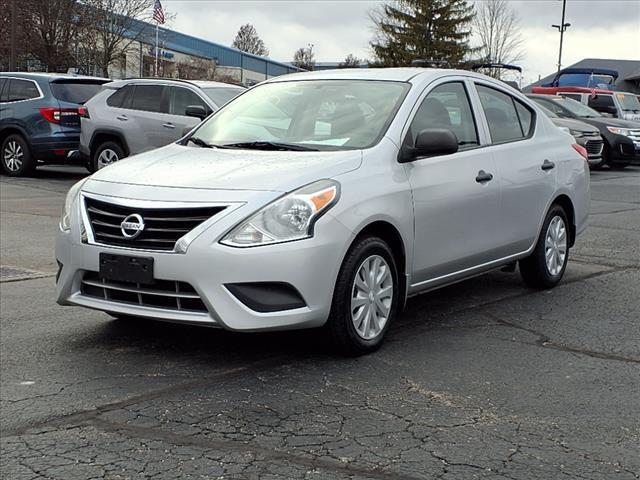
point(107, 153)
point(545, 266)
point(16, 156)
point(365, 298)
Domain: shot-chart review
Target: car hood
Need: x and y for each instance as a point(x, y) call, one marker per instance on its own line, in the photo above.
point(614, 122)
point(221, 169)
point(574, 124)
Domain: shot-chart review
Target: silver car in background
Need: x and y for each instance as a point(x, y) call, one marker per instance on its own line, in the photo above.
point(325, 199)
point(133, 116)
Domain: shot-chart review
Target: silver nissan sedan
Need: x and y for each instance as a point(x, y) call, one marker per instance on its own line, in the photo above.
point(325, 199)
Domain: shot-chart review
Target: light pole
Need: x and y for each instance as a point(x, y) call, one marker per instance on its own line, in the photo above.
point(561, 28)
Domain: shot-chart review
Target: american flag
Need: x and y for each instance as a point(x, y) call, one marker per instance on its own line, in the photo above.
point(158, 14)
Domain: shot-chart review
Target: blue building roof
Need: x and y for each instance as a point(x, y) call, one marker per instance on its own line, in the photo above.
point(224, 56)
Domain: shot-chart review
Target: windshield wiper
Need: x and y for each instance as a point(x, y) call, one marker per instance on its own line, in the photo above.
point(268, 146)
point(199, 142)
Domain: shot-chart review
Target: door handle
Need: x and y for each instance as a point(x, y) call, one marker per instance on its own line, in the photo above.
point(483, 177)
point(169, 125)
point(124, 118)
point(547, 165)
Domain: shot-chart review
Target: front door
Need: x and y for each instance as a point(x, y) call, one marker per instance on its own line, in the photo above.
point(456, 197)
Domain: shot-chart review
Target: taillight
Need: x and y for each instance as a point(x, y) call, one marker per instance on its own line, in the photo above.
point(83, 112)
point(581, 150)
point(54, 115)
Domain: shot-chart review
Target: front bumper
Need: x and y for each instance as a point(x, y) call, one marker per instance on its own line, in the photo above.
point(625, 150)
point(310, 266)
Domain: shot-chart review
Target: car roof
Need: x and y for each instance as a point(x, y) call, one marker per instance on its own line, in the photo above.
point(173, 81)
point(401, 74)
point(51, 76)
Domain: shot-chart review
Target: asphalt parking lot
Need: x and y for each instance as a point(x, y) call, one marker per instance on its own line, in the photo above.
point(484, 379)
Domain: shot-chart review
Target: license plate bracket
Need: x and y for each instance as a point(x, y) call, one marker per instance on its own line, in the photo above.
point(125, 268)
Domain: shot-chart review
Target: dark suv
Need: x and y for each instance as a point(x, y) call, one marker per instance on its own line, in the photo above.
point(39, 118)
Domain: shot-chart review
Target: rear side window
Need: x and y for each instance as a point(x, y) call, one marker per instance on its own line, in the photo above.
point(22, 90)
point(600, 101)
point(3, 81)
point(121, 98)
point(74, 92)
point(508, 119)
point(447, 106)
point(147, 98)
point(181, 98)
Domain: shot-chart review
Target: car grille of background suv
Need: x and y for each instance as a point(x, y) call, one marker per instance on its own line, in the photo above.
point(594, 147)
point(634, 135)
point(163, 226)
point(165, 294)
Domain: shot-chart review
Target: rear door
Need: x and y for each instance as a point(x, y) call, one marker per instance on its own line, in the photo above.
point(147, 111)
point(455, 197)
point(176, 121)
point(527, 172)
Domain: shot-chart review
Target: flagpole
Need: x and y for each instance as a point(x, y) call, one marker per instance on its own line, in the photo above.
point(157, 24)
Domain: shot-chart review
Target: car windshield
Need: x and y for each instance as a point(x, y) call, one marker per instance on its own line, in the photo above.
point(221, 95)
point(309, 115)
point(75, 92)
point(576, 108)
point(547, 112)
point(628, 102)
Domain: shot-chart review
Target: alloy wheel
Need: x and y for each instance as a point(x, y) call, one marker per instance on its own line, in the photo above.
point(371, 297)
point(107, 157)
point(12, 156)
point(555, 245)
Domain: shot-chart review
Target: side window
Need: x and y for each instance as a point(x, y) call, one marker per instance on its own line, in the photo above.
point(603, 103)
point(181, 98)
point(121, 98)
point(147, 98)
point(508, 119)
point(22, 90)
point(446, 106)
point(574, 96)
point(3, 94)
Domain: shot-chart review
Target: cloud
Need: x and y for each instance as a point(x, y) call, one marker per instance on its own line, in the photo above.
point(605, 29)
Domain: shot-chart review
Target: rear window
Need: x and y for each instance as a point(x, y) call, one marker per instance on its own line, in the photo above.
point(74, 92)
point(221, 95)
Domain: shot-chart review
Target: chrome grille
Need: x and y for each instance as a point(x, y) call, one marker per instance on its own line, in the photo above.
point(594, 147)
point(162, 226)
point(164, 294)
point(634, 135)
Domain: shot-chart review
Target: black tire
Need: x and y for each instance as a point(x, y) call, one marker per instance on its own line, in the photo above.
point(340, 325)
point(16, 157)
point(111, 146)
point(534, 269)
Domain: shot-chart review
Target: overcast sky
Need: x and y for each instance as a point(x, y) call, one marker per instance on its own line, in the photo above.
point(599, 28)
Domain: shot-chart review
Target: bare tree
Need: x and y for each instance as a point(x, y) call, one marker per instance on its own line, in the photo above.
point(110, 29)
point(304, 58)
point(247, 40)
point(351, 61)
point(197, 69)
point(498, 28)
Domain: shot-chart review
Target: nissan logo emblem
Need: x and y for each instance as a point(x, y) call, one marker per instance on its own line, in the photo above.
point(132, 226)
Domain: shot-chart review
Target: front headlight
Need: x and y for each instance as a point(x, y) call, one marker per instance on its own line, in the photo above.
point(289, 218)
point(65, 220)
point(619, 131)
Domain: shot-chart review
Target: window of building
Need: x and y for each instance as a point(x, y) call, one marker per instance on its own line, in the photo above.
point(147, 98)
point(22, 90)
point(446, 106)
point(508, 119)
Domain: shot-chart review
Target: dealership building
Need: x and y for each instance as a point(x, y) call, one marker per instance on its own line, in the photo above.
point(178, 51)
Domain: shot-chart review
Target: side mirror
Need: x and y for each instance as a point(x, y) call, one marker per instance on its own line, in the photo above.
point(431, 142)
point(197, 111)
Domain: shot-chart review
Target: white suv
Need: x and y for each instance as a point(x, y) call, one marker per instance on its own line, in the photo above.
point(133, 116)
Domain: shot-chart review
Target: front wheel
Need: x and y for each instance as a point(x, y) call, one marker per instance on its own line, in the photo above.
point(545, 266)
point(365, 298)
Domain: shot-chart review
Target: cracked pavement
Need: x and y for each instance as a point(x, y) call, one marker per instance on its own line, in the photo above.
point(483, 379)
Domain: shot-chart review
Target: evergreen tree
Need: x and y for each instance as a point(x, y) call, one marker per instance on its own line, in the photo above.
point(408, 30)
